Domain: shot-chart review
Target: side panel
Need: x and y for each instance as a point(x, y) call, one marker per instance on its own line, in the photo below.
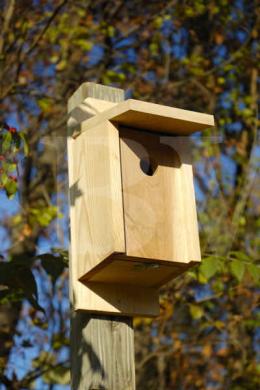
point(96, 210)
point(158, 194)
point(96, 218)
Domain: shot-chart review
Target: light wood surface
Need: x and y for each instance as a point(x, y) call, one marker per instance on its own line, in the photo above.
point(103, 356)
point(136, 273)
point(121, 299)
point(97, 224)
point(102, 347)
point(95, 91)
point(96, 218)
point(153, 117)
point(132, 203)
point(87, 109)
point(160, 219)
point(160, 210)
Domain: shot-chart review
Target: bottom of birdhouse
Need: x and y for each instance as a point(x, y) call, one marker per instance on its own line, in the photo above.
point(123, 285)
point(121, 269)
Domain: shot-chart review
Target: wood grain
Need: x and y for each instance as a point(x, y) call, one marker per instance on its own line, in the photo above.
point(96, 91)
point(132, 202)
point(137, 273)
point(96, 218)
point(102, 352)
point(153, 117)
point(102, 347)
point(97, 226)
point(160, 211)
point(160, 217)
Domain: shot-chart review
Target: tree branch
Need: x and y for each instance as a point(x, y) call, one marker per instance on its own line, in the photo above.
point(45, 28)
point(7, 18)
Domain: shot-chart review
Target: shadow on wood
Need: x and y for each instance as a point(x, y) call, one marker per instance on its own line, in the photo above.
point(99, 355)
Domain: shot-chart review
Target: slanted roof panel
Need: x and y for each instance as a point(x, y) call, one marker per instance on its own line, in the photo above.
point(153, 117)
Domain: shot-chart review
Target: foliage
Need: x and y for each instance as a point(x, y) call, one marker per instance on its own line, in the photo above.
point(194, 54)
point(17, 277)
point(11, 142)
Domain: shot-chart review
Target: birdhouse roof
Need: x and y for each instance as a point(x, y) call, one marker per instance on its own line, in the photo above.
point(153, 117)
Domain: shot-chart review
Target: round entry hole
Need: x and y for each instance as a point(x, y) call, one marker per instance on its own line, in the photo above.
point(148, 167)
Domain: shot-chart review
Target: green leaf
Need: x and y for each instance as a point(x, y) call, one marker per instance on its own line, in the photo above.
point(210, 266)
point(192, 274)
point(111, 31)
point(196, 311)
point(219, 324)
point(59, 341)
point(17, 276)
point(84, 44)
point(53, 265)
point(26, 280)
point(252, 323)
point(10, 187)
point(4, 178)
point(53, 373)
point(240, 256)
point(154, 48)
point(158, 21)
point(44, 359)
point(202, 279)
point(9, 167)
point(61, 65)
point(7, 140)
point(44, 215)
point(57, 375)
point(63, 253)
point(254, 271)
point(16, 140)
point(112, 75)
point(44, 104)
point(237, 269)
point(25, 143)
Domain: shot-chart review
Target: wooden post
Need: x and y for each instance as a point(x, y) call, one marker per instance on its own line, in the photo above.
point(102, 347)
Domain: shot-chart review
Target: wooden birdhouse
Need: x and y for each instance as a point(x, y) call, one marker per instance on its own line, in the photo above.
point(132, 204)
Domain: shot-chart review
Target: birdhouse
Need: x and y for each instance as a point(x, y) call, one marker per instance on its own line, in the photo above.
point(132, 203)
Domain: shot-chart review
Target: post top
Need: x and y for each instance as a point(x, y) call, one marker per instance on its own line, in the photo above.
point(152, 117)
point(97, 91)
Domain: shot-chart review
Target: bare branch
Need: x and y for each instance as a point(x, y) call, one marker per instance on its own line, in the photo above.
point(7, 18)
point(45, 28)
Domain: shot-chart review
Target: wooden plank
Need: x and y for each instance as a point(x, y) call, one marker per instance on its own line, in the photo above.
point(97, 224)
point(102, 347)
point(121, 299)
point(88, 108)
point(102, 357)
point(97, 227)
point(153, 117)
point(160, 216)
point(96, 91)
point(160, 210)
point(137, 275)
point(96, 218)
